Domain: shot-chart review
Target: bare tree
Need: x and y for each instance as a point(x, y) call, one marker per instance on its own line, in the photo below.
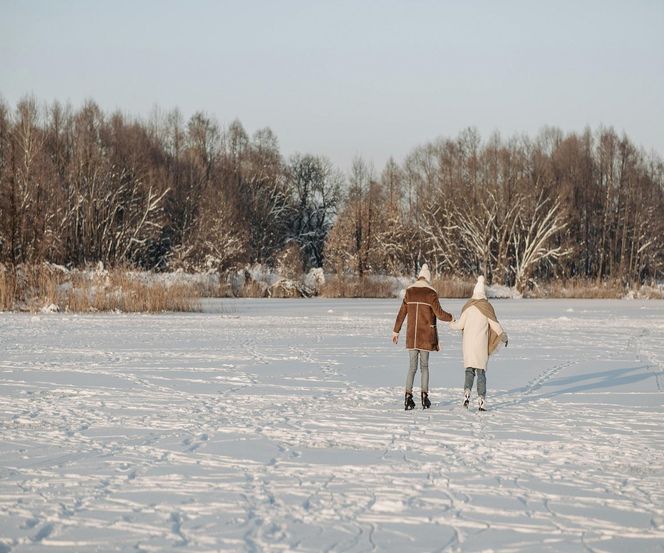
point(79, 186)
point(532, 236)
point(316, 189)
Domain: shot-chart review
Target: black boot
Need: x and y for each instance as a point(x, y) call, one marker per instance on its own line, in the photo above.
point(425, 400)
point(409, 403)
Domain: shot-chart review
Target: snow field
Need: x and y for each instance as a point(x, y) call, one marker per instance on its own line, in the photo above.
point(278, 425)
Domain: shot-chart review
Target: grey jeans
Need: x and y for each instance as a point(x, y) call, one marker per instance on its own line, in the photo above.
point(424, 369)
point(481, 380)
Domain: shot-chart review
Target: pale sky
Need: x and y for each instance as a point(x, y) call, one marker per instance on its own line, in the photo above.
point(345, 78)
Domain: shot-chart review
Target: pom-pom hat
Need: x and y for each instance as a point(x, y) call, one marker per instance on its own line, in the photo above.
point(425, 272)
point(479, 292)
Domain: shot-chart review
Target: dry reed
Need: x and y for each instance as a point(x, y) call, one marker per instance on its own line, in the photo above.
point(32, 288)
point(345, 286)
point(579, 289)
point(453, 287)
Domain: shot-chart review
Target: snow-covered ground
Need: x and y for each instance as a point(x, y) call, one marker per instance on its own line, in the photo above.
point(278, 425)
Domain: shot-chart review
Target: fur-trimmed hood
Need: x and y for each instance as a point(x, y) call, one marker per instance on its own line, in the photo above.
point(422, 283)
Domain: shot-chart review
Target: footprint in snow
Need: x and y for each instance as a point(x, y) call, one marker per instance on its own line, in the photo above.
point(44, 532)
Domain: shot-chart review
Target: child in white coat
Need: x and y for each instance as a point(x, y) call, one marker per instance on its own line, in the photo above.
point(482, 334)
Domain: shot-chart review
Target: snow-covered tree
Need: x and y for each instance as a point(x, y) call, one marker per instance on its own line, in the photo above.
point(535, 228)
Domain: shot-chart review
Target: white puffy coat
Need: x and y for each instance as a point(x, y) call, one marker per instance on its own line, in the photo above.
point(475, 326)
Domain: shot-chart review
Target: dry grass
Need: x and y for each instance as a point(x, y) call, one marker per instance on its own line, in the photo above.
point(119, 292)
point(591, 289)
point(252, 289)
point(579, 289)
point(27, 286)
point(651, 293)
point(285, 288)
point(7, 289)
point(32, 288)
point(345, 286)
point(453, 287)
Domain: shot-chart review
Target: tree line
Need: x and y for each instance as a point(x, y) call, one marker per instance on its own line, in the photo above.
point(79, 186)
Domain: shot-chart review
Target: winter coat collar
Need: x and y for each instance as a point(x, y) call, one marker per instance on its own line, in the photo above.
point(421, 283)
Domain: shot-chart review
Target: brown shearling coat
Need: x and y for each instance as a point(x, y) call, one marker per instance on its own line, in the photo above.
point(422, 307)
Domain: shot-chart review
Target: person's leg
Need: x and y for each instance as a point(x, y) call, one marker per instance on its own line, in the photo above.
point(408, 398)
point(481, 383)
point(424, 368)
point(470, 377)
point(468, 385)
point(410, 377)
point(481, 389)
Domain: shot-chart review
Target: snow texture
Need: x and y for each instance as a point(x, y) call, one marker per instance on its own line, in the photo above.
point(278, 425)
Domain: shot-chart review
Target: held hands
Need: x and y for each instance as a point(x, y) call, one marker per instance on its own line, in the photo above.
point(395, 337)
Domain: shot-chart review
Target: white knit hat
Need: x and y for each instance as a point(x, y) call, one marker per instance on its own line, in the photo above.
point(425, 272)
point(479, 292)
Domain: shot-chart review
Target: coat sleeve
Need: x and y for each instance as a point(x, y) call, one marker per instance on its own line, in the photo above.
point(460, 323)
point(401, 316)
point(438, 310)
point(495, 326)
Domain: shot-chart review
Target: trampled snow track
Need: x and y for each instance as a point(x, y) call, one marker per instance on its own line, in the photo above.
point(215, 433)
